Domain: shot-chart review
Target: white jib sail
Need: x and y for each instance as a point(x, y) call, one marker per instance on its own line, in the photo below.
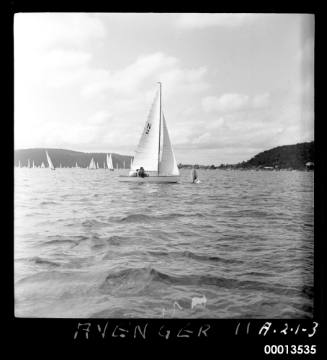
point(92, 164)
point(49, 161)
point(146, 154)
point(109, 162)
point(167, 164)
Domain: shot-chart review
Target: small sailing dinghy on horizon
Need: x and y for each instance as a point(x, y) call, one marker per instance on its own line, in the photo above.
point(92, 165)
point(109, 163)
point(49, 161)
point(154, 152)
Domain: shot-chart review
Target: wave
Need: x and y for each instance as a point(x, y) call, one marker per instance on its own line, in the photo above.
point(75, 240)
point(144, 217)
point(39, 261)
point(49, 203)
point(192, 255)
point(135, 280)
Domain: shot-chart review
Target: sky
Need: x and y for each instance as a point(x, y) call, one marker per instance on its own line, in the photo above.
point(233, 85)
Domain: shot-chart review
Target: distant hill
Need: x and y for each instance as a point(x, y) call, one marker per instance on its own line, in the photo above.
point(282, 157)
point(68, 158)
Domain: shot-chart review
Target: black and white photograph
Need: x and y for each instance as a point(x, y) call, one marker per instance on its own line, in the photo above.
point(164, 165)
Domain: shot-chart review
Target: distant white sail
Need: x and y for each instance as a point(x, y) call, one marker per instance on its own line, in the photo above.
point(92, 165)
point(42, 165)
point(28, 163)
point(19, 165)
point(109, 162)
point(33, 166)
point(49, 161)
point(124, 165)
point(76, 165)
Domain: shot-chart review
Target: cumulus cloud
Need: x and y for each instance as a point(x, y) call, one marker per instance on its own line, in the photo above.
point(204, 20)
point(234, 102)
point(35, 31)
point(147, 68)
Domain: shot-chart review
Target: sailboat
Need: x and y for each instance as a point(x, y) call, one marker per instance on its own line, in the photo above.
point(92, 165)
point(109, 163)
point(28, 163)
point(154, 152)
point(33, 166)
point(76, 165)
point(19, 164)
point(42, 165)
point(49, 161)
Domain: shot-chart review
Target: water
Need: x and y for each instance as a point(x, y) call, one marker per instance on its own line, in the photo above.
point(87, 245)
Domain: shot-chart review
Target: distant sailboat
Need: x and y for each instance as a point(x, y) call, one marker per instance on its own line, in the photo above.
point(154, 152)
point(28, 163)
point(33, 166)
point(109, 163)
point(97, 165)
point(49, 161)
point(19, 165)
point(42, 165)
point(92, 165)
point(76, 166)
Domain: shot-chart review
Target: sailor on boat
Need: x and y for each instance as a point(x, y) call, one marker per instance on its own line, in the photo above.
point(142, 173)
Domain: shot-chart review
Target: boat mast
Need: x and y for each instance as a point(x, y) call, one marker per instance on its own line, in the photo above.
point(159, 127)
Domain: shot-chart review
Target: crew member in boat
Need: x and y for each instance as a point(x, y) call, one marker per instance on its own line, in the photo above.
point(142, 173)
point(194, 174)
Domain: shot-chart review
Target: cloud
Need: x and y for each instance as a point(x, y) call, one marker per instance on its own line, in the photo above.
point(35, 31)
point(261, 100)
point(227, 103)
point(198, 21)
point(148, 68)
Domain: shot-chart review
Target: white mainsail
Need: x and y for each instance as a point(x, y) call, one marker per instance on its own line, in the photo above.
point(92, 164)
point(146, 154)
point(167, 164)
point(33, 166)
point(76, 165)
point(28, 163)
point(109, 162)
point(49, 161)
point(42, 165)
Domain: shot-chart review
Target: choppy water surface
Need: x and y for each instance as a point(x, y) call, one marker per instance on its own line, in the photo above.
point(87, 245)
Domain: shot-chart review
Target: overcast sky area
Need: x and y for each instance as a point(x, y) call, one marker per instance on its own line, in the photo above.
point(233, 84)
